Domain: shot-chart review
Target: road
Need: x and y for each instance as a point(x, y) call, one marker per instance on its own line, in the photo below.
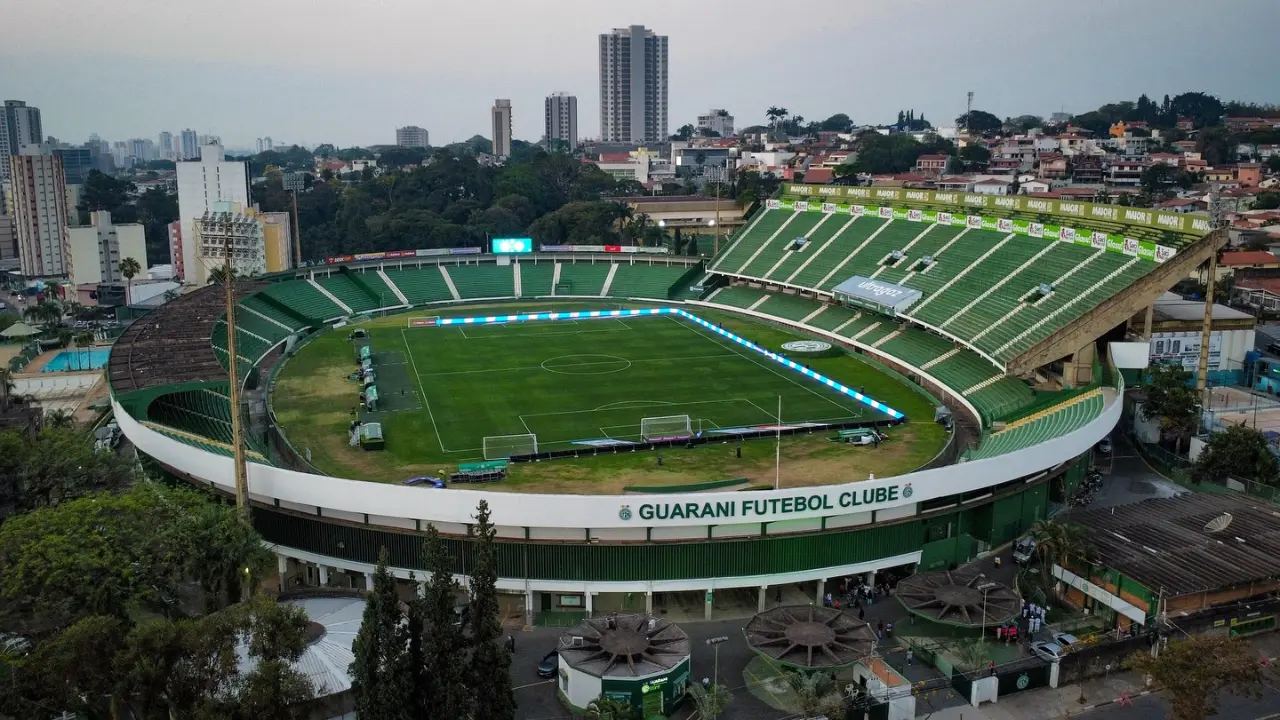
point(1155, 707)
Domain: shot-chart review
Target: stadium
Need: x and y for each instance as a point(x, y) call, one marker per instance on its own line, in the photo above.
point(619, 410)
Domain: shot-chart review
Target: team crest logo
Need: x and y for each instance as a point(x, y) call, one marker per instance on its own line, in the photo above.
point(906, 490)
point(625, 512)
point(1023, 681)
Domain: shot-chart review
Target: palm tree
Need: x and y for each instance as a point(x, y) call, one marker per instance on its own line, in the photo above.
point(776, 114)
point(1057, 543)
point(129, 268)
point(59, 419)
point(606, 708)
point(83, 339)
point(816, 694)
point(709, 702)
point(218, 274)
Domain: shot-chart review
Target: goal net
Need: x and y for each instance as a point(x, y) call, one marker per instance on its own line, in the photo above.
point(667, 426)
point(429, 321)
point(501, 447)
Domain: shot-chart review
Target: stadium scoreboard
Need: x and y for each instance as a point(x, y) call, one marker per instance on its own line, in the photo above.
point(510, 246)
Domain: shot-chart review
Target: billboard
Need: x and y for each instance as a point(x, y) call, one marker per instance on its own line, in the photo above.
point(509, 246)
point(876, 295)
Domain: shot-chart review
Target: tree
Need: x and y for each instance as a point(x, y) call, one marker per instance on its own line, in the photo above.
point(817, 694)
point(377, 650)
point(776, 115)
point(837, 123)
point(129, 268)
point(445, 661)
point(605, 708)
point(1170, 397)
point(684, 133)
point(1267, 200)
point(490, 667)
point(1057, 543)
point(1196, 670)
point(1238, 452)
point(103, 192)
point(51, 467)
point(1273, 163)
point(975, 154)
point(219, 274)
point(979, 121)
point(710, 702)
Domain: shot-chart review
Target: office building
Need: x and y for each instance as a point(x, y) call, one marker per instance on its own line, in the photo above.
point(98, 248)
point(264, 144)
point(501, 128)
point(633, 86)
point(202, 184)
point(718, 121)
point(19, 125)
point(40, 211)
point(76, 164)
point(412, 136)
point(190, 149)
point(168, 150)
point(561, 121)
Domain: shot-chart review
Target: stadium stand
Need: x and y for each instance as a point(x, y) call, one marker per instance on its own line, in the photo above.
point(259, 306)
point(483, 281)
point(582, 278)
point(305, 300)
point(976, 289)
point(646, 281)
point(346, 290)
point(421, 285)
point(373, 286)
point(536, 278)
point(1042, 426)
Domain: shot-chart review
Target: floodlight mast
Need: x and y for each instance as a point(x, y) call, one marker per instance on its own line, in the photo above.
point(237, 429)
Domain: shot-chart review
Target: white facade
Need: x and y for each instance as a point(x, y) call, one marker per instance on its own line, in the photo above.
point(717, 120)
point(561, 120)
point(501, 128)
point(168, 149)
point(412, 136)
point(97, 249)
point(991, 187)
point(264, 144)
point(202, 184)
point(39, 203)
point(225, 222)
point(633, 86)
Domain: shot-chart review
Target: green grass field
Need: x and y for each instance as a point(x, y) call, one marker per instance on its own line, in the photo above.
point(445, 389)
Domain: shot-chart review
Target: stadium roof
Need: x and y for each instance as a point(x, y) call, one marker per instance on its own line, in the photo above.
point(810, 636)
point(963, 597)
point(1164, 543)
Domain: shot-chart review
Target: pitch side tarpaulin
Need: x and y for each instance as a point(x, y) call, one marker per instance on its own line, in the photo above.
point(877, 294)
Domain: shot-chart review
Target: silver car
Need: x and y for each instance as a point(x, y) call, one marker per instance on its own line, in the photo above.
point(1047, 651)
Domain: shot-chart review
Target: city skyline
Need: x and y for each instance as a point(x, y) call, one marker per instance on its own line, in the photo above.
point(312, 96)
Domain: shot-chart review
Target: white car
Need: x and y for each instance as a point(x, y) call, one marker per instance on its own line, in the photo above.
point(1104, 447)
point(1064, 640)
point(1047, 651)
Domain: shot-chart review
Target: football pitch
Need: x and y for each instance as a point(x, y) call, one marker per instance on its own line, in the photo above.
point(572, 382)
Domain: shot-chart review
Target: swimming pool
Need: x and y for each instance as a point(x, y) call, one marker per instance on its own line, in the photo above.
point(83, 359)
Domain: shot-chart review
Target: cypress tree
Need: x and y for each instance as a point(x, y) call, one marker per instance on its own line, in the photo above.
point(411, 671)
point(378, 652)
point(446, 666)
point(490, 667)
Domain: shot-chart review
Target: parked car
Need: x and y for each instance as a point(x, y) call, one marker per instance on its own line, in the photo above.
point(1024, 549)
point(1047, 651)
point(1065, 640)
point(550, 663)
point(1104, 446)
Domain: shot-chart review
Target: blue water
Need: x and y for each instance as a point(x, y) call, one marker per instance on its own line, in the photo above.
point(86, 359)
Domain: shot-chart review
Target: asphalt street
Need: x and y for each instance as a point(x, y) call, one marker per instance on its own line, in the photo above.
point(1156, 707)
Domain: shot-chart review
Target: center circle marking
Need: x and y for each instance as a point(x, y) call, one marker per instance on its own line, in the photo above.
point(586, 364)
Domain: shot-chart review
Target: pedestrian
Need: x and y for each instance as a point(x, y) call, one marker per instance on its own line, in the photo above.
point(908, 657)
point(511, 644)
point(777, 595)
point(997, 562)
point(888, 630)
point(836, 602)
point(862, 613)
point(706, 683)
point(992, 668)
point(880, 629)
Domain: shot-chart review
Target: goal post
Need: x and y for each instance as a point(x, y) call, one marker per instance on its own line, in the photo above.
point(427, 321)
point(666, 426)
point(501, 447)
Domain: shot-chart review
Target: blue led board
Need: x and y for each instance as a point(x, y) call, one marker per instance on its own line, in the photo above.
point(592, 314)
point(510, 246)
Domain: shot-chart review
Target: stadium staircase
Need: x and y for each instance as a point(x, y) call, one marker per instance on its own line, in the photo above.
point(404, 301)
point(346, 309)
point(448, 281)
point(608, 280)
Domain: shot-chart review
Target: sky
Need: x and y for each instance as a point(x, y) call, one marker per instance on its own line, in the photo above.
point(349, 72)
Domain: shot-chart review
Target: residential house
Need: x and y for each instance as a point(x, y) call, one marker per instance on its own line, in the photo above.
point(1248, 124)
point(1033, 186)
point(1246, 260)
point(1126, 173)
point(992, 186)
point(932, 166)
point(1266, 152)
point(1249, 174)
point(1086, 169)
point(1170, 159)
point(1220, 175)
point(1185, 146)
point(1054, 166)
point(1185, 124)
point(1184, 205)
point(955, 183)
point(820, 175)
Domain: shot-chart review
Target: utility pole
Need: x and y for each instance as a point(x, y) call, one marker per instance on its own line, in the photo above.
point(1217, 218)
point(968, 109)
point(237, 428)
point(297, 232)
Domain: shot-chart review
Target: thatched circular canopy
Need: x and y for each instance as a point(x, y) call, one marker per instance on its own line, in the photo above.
point(631, 645)
point(963, 598)
point(810, 636)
